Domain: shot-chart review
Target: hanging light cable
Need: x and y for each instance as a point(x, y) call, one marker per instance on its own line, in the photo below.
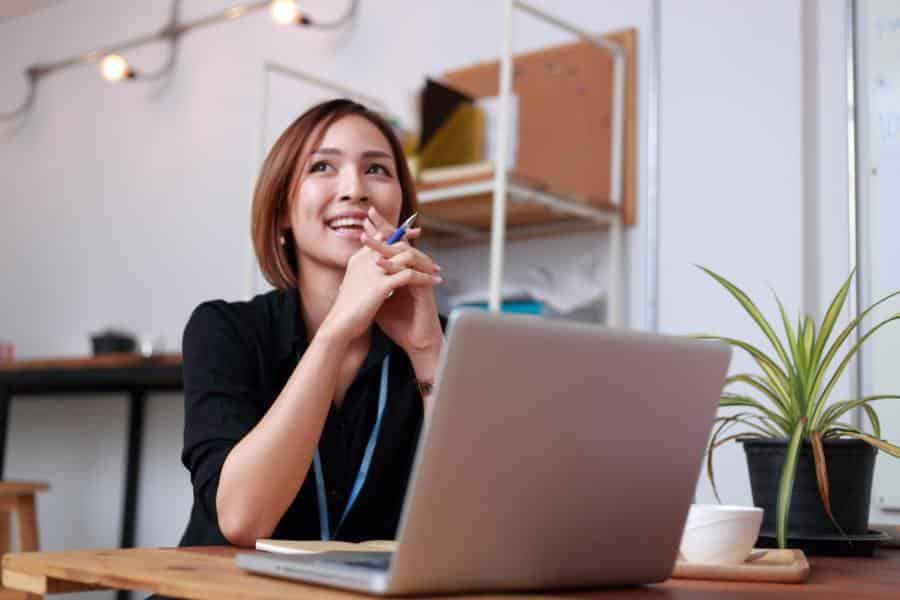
point(115, 68)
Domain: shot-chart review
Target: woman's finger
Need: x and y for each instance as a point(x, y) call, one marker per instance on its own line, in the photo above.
point(409, 259)
point(402, 254)
point(369, 227)
point(377, 244)
point(408, 277)
point(381, 224)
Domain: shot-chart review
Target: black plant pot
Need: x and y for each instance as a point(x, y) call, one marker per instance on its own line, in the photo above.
point(850, 465)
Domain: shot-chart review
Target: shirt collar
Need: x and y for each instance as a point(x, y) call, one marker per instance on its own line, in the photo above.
point(291, 333)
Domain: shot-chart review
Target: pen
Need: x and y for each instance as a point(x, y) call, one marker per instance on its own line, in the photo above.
point(400, 231)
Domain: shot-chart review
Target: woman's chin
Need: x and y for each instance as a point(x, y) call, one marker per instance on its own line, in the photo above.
point(351, 235)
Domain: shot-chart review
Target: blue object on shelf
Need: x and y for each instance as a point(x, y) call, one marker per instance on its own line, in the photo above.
point(525, 307)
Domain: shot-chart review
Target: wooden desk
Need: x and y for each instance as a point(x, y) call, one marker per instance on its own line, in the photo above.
point(210, 573)
point(129, 373)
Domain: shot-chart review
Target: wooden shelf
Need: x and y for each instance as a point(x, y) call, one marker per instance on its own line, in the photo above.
point(461, 210)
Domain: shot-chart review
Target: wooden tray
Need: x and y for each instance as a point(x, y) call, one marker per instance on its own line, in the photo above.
point(771, 566)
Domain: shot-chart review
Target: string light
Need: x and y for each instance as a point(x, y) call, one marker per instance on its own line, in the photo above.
point(284, 12)
point(115, 68)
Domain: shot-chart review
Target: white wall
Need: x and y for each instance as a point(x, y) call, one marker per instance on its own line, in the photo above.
point(128, 204)
point(730, 175)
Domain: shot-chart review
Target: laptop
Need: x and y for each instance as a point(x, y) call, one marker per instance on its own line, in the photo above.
point(557, 455)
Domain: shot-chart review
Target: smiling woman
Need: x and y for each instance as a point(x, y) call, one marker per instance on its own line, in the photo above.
point(325, 370)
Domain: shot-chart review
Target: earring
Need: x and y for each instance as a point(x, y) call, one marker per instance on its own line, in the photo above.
point(281, 240)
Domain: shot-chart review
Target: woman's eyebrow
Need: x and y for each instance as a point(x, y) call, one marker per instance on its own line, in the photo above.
point(366, 154)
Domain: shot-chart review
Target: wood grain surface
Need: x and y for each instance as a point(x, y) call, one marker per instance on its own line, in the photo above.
point(106, 361)
point(207, 573)
point(781, 566)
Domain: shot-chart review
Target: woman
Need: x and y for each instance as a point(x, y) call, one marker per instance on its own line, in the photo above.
point(303, 406)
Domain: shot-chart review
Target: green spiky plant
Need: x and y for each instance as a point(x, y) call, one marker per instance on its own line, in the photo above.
point(792, 392)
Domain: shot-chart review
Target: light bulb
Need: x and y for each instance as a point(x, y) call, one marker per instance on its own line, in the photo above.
point(285, 12)
point(115, 68)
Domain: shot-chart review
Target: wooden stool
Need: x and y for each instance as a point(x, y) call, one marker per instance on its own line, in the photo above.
point(17, 498)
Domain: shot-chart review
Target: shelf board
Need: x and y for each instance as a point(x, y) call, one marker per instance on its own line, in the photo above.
point(463, 208)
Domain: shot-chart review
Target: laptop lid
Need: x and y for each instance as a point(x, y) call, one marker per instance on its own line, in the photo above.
point(557, 454)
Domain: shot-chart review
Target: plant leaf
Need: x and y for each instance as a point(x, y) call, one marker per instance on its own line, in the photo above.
point(761, 425)
point(822, 478)
point(838, 409)
point(803, 376)
point(831, 317)
point(754, 313)
point(758, 383)
point(724, 424)
point(786, 485)
point(820, 402)
point(801, 370)
point(823, 365)
point(839, 429)
point(873, 419)
point(789, 332)
point(778, 377)
point(872, 441)
point(728, 400)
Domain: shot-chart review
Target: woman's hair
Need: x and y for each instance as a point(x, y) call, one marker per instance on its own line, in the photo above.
point(280, 175)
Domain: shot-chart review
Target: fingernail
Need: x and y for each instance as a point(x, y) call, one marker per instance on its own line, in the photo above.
point(437, 279)
point(437, 267)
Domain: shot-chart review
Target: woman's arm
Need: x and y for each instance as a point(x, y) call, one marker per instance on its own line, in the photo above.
point(264, 471)
point(425, 364)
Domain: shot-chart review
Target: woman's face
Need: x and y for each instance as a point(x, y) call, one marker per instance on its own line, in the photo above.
point(351, 170)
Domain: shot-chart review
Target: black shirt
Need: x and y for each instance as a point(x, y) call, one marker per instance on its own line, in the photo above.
point(238, 357)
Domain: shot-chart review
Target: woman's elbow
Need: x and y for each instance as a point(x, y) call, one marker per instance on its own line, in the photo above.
point(240, 525)
point(238, 529)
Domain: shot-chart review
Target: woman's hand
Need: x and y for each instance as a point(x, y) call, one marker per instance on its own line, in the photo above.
point(365, 288)
point(409, 316)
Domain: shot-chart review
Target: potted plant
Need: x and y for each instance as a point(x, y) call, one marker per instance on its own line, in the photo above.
point(806, 462)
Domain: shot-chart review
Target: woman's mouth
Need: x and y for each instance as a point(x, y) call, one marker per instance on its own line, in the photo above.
point(350, 227)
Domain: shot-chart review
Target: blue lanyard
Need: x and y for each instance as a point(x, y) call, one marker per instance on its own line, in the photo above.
point(363, 467)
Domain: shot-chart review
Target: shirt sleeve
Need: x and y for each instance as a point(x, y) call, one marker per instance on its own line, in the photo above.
point(220, 394)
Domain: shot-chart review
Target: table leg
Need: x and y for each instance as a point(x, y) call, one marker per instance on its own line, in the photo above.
point(4, 421)
point(136, 405)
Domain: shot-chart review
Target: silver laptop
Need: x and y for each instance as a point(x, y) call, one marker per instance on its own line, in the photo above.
point(557, 455)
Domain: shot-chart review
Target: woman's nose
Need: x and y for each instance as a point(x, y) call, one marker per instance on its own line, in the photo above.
point(353, 187)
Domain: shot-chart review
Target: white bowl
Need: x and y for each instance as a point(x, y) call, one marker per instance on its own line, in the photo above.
point(720, 534)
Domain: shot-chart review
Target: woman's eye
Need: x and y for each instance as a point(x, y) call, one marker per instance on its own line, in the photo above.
point(379, 169)
point(319, 167)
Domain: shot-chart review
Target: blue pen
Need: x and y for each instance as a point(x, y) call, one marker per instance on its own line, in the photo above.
point(401, 231)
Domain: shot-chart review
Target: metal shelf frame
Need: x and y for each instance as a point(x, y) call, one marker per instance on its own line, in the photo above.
point(503, 188)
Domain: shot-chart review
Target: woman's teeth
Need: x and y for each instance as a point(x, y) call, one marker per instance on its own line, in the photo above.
point(346, 223)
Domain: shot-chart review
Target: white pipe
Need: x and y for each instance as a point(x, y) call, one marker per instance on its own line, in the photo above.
point(613, 303)
point(498, 218)
point(619, 57)
point(589, 37)
point(616, 138)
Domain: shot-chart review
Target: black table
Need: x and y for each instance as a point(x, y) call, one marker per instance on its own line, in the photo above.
point(131, 374)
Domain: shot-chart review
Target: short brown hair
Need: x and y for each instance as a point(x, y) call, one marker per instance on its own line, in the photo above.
point(279, 177)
